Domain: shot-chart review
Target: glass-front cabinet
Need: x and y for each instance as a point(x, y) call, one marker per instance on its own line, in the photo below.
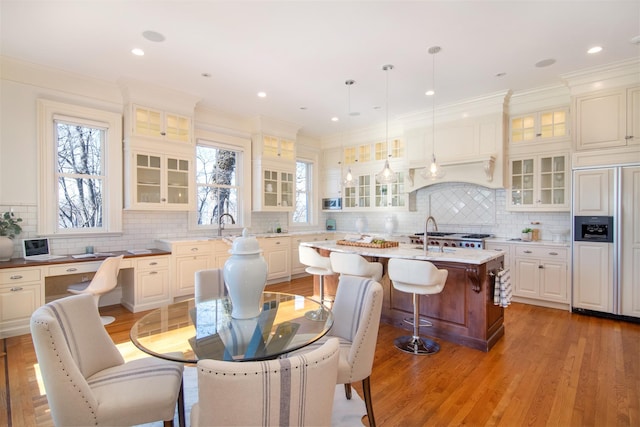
point(278, 148)
point(539, 183)
point(366, 193)
point(159, 124)
point(160, 182)
point(277, 191)
point(391, 195)
point(543, 126)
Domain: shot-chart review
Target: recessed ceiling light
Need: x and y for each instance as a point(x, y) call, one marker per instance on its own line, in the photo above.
point(595, 49)
point(206, 75)
point(303, 108)
point(137, 51)
point(501, 74)
point(262, 94)
point(430, 93)
point(335, 119)
point(545, 63)
point(153, 36)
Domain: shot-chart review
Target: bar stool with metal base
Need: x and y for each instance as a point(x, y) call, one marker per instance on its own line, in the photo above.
point(419, 278)
point(317, 265)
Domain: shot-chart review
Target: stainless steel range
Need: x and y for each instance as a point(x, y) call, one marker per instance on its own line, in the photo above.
point(453, 240)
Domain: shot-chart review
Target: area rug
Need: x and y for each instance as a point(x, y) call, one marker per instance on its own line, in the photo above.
point(346, 413)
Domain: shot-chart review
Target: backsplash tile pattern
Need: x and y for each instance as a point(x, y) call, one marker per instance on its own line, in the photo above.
point(457, 207)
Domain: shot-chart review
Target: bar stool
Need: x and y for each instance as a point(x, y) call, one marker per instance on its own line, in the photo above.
point(317, 265)
point(419, 278)
point(355, 265)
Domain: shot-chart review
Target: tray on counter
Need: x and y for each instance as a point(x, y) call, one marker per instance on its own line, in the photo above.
point(386, 244)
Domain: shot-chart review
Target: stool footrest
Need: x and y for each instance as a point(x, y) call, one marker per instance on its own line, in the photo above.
point(422, 322)
point(416, 345)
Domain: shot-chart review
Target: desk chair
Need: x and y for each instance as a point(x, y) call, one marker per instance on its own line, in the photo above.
point(355, 265)
point(85, 377)
point(295, 391)
point(419, 278)
point(105, 279)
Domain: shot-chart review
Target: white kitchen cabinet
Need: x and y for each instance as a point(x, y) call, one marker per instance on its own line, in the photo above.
point(296, 266)
point(161, 125)
point(593, 276)
point(366, 193)
point(540, 126)
point(374, 152)
point(21, 293)
point(541, 274)
point(158, 182)
point(220, 253)
point(189, 257)
point(592, 194)
point(152, 283)
point(539, 183)
point(277, 254)
point(274, 191)
point(274, 148)
point(607, 119)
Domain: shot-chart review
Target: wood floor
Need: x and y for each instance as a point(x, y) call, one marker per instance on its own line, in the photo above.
point(551, 368)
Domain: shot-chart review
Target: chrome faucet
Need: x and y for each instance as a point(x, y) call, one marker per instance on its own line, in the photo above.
point(426, 231)
point(220, 226)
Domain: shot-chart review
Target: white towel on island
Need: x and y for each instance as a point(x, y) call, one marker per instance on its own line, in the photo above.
point(502, 288)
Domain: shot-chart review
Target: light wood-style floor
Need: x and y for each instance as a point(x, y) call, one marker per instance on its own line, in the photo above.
point(551, 368)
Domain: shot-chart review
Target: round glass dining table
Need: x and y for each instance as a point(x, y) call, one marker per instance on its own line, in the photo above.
point(191, 330)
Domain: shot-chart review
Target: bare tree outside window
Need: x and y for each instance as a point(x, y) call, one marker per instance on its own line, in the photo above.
point(217, 182)
point(80, 175)
point(303, 183)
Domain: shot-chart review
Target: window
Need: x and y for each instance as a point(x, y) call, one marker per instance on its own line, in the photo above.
point(302, 212)
point(80, 157)
point(218, 184)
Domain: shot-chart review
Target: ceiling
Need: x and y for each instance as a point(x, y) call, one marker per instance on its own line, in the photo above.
point(301, 52)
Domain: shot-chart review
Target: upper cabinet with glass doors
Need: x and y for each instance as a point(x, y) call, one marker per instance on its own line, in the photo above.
point(374, 152)
point(542, 126)
point(162, 125)
point(539, 183)
point(277, 149)
point(366, 193)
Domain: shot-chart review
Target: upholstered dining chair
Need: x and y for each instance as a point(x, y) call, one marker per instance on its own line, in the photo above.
point(105, 279)
point(209, 284)
point(355, 265)
point(296, 391)
point(356, 319)
point(85, 377)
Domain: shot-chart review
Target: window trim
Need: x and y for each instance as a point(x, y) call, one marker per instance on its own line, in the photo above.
point(311, 213)
point(48, 111)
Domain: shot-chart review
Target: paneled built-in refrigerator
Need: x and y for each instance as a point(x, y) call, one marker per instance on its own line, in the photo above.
point(606, 242)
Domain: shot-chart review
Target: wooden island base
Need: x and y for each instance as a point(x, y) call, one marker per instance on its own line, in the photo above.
point(463, 313)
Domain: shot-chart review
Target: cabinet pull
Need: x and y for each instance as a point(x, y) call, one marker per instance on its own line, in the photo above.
point(538, 134)
point(153, 263)
point(553, 253)
point(153, 272)
point(498, 249)
point(71, 269)
point(194, 249)
point(628, 137)
point(277, 243)
point(541, 266)
point(16, 289)
point(527, 252)
point(16, 277)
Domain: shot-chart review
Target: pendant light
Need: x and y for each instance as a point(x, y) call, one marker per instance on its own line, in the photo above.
point(387, 175)
point(433, 171)
point(348, 178)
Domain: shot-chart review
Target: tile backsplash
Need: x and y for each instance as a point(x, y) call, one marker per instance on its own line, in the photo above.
point(455, 206)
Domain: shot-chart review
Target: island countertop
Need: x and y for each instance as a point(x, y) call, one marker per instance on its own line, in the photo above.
point(411, 251)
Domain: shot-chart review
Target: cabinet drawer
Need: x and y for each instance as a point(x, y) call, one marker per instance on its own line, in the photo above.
point(80, 267)
point(193, 248)
point(274, 242)
point(150, 263)
point(11, 276)
point(542, 252)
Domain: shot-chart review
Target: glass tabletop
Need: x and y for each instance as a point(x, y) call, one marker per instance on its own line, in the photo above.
point(187, 331)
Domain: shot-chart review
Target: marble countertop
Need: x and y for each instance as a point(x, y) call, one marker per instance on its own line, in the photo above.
point(412, 251)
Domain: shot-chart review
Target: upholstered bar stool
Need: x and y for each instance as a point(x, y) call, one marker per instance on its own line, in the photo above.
point(317, 265)
point(355, 265)
point(418, 278)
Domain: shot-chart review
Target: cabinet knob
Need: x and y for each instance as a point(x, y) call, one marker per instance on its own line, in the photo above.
point(16, 277)
point(163, 133)
point(628, 137)
point(163, 199)
point(541, 266)
point(277, 243)
point(538, 134)
point(16, 289)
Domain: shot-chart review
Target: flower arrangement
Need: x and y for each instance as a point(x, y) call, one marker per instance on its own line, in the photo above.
point(9, 225)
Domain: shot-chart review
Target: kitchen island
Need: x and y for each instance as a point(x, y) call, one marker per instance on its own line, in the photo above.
point(463, 313)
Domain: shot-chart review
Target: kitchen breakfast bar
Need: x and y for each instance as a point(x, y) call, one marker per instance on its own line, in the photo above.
point(463, 313)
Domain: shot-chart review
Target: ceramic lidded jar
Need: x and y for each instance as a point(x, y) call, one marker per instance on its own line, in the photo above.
point(245, 276)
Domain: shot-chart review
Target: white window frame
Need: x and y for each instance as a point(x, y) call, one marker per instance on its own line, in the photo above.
point(243, 170)
point(48, 111)
point(311, 171)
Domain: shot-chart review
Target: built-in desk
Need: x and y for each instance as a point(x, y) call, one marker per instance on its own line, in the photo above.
point(143, 284)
